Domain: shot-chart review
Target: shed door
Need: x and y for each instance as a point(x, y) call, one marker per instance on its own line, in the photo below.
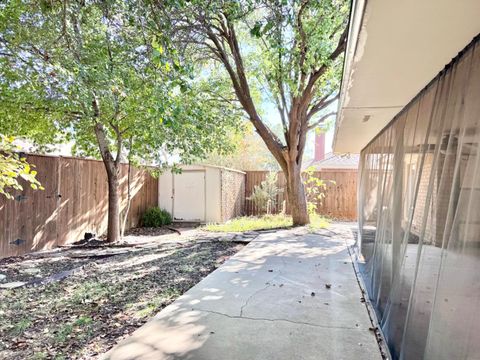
point(189, 196)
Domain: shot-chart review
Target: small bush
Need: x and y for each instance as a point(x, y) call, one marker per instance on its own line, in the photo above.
point(156, 217)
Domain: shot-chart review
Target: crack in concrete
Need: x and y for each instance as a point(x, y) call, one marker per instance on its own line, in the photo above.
point(267, 285)
point(251, 297)
point(279, 319)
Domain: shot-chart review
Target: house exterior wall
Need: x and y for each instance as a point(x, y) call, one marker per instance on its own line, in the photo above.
point(419, 209)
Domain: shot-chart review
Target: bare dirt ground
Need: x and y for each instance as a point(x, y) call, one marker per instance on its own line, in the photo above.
point(104, 293)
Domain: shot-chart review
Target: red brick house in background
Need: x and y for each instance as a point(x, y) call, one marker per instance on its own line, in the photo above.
point(331, 161)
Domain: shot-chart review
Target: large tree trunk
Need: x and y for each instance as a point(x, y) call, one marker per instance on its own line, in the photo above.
point(296, 195)
point(113, 230)
point(112, 168)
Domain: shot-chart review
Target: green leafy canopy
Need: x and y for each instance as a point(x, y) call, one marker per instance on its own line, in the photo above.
point(63, 56)
point(13, 167)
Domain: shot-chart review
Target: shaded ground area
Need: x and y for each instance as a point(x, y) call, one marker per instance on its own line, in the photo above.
point(110, 293)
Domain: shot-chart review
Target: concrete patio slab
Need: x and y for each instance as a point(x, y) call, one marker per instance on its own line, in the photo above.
point(272, 300)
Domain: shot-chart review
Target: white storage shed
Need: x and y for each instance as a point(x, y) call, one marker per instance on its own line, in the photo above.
point(202, 193)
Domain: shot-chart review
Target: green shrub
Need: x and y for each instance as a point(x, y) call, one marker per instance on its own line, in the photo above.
point(156, 217)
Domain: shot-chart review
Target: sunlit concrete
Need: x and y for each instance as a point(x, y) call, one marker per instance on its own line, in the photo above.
point(269, 301)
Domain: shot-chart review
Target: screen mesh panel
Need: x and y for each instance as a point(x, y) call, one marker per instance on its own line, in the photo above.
point(419, 217)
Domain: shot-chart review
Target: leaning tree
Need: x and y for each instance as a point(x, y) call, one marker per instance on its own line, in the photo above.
point(291, 50)
point(96, 71)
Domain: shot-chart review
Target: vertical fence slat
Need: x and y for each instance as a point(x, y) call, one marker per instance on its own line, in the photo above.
point(41, 220)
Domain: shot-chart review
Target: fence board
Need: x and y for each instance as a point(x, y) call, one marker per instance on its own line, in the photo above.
point(340, 200)
point(75, 201)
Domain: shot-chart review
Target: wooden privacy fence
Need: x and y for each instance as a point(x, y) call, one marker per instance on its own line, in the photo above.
point(340, 200)
point(75, 201)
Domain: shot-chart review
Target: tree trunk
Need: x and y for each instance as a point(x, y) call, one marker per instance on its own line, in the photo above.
point(113, 231)
point(112, 168)
point(296, 195)
point(129, 192)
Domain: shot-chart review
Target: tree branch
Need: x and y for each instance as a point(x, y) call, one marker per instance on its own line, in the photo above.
point(321, 120)
point(242, 89)
point(321, 104)
point(302, 45)
point(111, 164)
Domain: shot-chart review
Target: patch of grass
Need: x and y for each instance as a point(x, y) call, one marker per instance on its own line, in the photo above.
point(154, 304)
point(148, 310)
point(89, 291)
point(20, 326)
point(318, 222)
point(83, 321)
point(63, 333)
point(40, 355)
point(83, 326)
point(252, 223)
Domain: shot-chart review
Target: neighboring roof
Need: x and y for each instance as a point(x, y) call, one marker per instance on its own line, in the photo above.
point(394, 49)
point(335, 161)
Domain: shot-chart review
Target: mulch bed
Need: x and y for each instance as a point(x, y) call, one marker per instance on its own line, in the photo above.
point(104, 300)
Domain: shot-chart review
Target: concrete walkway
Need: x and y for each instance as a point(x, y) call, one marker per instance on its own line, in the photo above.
point(269, 301)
